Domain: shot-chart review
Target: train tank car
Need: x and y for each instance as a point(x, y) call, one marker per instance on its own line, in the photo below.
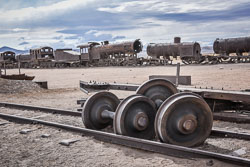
point(188, 51)
point(105, 54)
point(232, 45)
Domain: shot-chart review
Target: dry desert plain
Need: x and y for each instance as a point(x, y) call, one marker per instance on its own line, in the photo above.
point(31, 150)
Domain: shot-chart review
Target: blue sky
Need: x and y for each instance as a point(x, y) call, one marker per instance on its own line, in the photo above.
point(32, 23)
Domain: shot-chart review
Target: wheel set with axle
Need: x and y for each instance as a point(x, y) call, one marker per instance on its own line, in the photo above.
point(156, 111)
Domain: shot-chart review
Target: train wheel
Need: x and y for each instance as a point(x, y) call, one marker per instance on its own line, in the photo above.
point(94, 107)
point(135, 116)
point(184, 119)
point(157, 90)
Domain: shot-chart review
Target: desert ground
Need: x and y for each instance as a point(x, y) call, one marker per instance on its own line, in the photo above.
point(32, 150)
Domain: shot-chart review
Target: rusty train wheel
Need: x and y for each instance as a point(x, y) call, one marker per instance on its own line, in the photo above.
point(95, 105)
point(157, 90)
point(184, 119)
point(135, 117)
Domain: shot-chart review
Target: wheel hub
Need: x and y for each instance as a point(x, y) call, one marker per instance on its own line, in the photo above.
point(187, 124)
point(141, 121)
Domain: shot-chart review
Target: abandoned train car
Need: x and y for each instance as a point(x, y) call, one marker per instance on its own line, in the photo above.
point(188, 51)
point(38, 57)
point(67, 58)
point(7, 59)
point(232, 45)
point(45, 52)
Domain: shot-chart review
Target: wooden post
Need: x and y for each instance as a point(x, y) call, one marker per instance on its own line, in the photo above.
point(19, 67)
point(4, 67)
point(177, 74)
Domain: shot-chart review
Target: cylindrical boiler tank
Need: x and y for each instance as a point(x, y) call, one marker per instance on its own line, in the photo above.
point(232, 45)
point(187, 49)
point(130, 47)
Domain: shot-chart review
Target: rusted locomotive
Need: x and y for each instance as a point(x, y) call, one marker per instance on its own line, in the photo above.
point(7, 59)
point(232, 45)
point(188, 51)
point(230, 50)
point(38, 57)
point(124, 53)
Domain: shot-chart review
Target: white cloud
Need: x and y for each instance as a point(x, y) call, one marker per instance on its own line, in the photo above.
point(38, 37)
point(19, 29)
point(34, 13)
point(177, 6)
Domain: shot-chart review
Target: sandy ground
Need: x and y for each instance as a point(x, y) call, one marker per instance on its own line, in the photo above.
point(229, 76)
point(31, 150)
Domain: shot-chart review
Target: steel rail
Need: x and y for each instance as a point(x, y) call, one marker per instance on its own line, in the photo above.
point(231, 117)
point(229, 134)
point(147, 145)
point(42, 109)
point(215, 133)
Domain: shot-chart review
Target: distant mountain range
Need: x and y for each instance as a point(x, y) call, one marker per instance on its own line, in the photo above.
point(6, 48)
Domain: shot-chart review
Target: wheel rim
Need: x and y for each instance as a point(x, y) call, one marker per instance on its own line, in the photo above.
point(184, 119)
point(157, 90)
point(135, 117)
point(95, 105)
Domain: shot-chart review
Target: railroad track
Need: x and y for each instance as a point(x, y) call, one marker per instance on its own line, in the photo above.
point(214, 132)
point(147, 145)
point(229, 117)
